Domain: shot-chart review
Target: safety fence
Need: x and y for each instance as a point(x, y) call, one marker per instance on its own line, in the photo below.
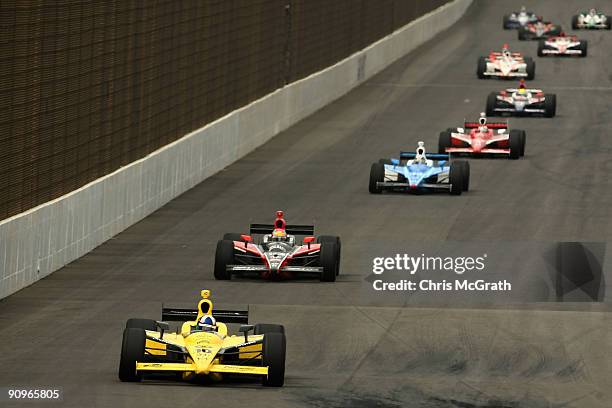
point(89, 86)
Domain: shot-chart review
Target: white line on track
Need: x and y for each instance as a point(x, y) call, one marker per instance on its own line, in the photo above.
point(488, 85)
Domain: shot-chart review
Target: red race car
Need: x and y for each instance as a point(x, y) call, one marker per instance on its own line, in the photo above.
point(278, 255)
point(477, 138)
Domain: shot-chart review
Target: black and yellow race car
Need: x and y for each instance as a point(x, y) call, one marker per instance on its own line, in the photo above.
point(203, 348)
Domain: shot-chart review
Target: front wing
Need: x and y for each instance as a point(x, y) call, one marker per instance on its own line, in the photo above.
point(472, 151)
point(190, 368)
point(264, 268)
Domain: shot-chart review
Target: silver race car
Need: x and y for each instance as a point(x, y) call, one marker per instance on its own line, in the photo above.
point(538, 30)
point(563, 45)
point(521, 101)
point(591, 20)
point(520, 18)
point(505, 64)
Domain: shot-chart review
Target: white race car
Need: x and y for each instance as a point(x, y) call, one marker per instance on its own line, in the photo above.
point(505, 64)
point(521, 101)
point(520, 18)
point(563, 45)
point(591, 20)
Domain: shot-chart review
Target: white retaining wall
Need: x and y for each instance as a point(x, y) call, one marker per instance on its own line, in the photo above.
point(37, 242)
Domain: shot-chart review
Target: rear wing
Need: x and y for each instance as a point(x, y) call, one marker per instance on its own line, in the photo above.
point(490, 125)
point(431, 156)
point(225, 316)
point(290, 229)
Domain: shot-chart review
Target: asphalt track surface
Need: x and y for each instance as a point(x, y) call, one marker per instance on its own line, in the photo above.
point(347, 345)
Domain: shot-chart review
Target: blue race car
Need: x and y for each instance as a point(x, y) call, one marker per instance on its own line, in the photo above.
point(418, 172)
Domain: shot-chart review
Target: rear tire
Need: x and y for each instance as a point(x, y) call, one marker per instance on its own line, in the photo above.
point(224, 256)
point(132, 350)
point(491, 104)
point(329, 261)
point(336, 240)
point(515, 144)
point(377, 174)
point(550, 105)
point(456, 178)
point(608, 22)
point(522, 34)
point(265, 328)
point(274, 348)
point(506, 22)
point(444, 141)
point(145, 324)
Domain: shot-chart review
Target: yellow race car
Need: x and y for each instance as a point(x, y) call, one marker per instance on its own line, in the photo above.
point(203, 347)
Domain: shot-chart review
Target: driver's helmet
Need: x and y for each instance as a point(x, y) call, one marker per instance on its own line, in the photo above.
point(207, 323)
point(279, 235)
point(522, 90)
point(523, 9)
point(592, 12)
point(482, 122)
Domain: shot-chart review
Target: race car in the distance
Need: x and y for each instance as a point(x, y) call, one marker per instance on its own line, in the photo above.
point(278, 254)
point(420, 172)
point(538, 30)
point(203, 348)
point(591, 20)
point(521, 101)
point(520, 18)
point(563, 45)
point(483, 138)
point(505, 64)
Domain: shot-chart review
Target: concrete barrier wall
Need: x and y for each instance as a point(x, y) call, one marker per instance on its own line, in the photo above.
point(36, 243)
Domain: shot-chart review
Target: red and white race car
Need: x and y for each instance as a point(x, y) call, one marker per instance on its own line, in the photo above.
point(505, 64)
point(278, 255)
point(563, 45)
point(480, 138)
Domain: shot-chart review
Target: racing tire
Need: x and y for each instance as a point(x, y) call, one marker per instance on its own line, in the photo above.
point(456, 178)
point(481, 68)
point(335, 240)
point(522, 34)
point(530, 68)
point(541, 45)
point(273, 356)
point(515, 144)
point(328, 258)
point(575, 22)
point(550, 105)
point(523, 141)
point(377, 174)
point(232, 236)
point(444, 141)
point(608, 22)
point(145, 324)
point(584, 45)
point(384, 161)
point(491, 104)
point(466, 173)
point(224, 255)
point(506, 22)
point(266, 328)
point(132, 350)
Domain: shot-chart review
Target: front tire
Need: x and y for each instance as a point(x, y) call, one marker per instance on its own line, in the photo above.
point(274, 349)
point(530, 68)
point(584, 48)
point(481, 68)
point(456, 178)
point(515, 144)
point(224, 256)
point(329, 261)
point(444, 141)
point(336, 240)
point(550, 105)
point(491, 104)
point(575, 22)
point(132, 350)
point(541, 45)
point(377, 175)
point(466, 173)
